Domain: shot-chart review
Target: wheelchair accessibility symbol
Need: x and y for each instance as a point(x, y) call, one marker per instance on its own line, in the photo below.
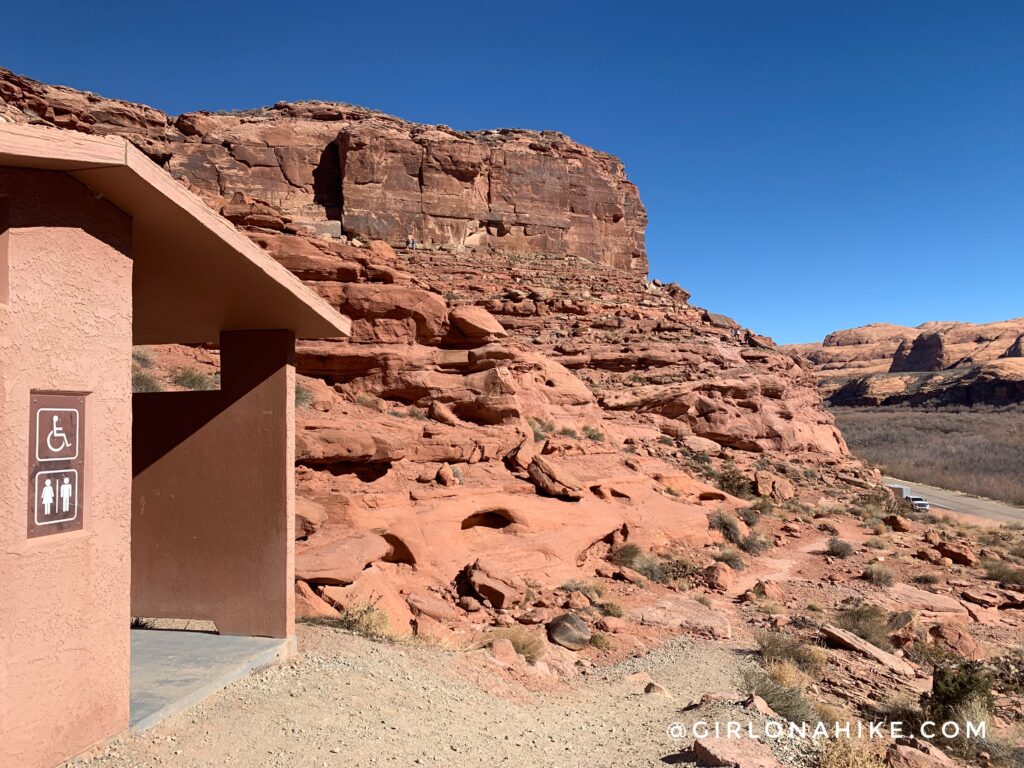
point(57, 434)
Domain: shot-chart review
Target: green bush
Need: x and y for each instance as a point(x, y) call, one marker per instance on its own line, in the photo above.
point(956, 685)
point(303, 395)
point(568, 432)
point(839, 548)
point(749, 515)
point(190, 378)
point(869, 622)
point(142, 357)
point(927, 579)
point(600, 641)
point(784, 697)
point(727, 525)
point(756, 544)
point(611, 609)
point(593, 433)
point(541, 428)
point(144, 382)
point(730, 557)
point(733, 481)
point(878, 574)
point(527, 644)
point(1003, 572)
point(625, 555)
point(778, 646)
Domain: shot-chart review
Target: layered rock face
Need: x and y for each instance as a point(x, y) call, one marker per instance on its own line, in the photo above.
point(516, 398)
point(339, 169)
point(933, 364)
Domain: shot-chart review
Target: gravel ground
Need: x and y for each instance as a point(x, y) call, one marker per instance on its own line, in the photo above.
point(346, 701)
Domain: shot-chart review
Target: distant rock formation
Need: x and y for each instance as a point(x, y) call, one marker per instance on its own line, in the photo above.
point(937, 363)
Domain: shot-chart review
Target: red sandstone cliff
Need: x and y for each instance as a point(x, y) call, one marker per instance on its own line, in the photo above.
point(516, 393)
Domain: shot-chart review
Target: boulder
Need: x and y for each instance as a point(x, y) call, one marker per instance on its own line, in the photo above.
point(898, 523)
point(724, 752)
point(770, 590)
point(502, 590)
point(916, 753)
point(850, 641)
point(960, 554)
point(554, 481)
point(569, 631)
point(719, 576)
point(956, 638)
point(309, 516)
point(337, 556)
point(503, 650)
point(476, 323)
point(309, 605)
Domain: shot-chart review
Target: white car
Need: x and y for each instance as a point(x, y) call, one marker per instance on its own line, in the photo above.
point(920, 504)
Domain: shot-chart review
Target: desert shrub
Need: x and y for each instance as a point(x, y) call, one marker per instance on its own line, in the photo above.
point(730, 557)
point(927, 654)
point(568, 432)
point(703, 600)
point(727, 525)
point(879, 529)
point(976, 450)
point(190, 378)
point(926, 579)
point(303, 395)
point(630, 449)
point(592, 589)
point(957, 685)
point(868, 622)
point(839, 548)
point(1003, 572)
point(776, 647)
point(782, 690)
point(679, 570)
point(749, 515)
point(814, 608)
point(364, 619)
point(849, 753)
point(600, 641)
point(901, 708)
point(878, 574)
point(527, 644)
point(142, 357)
point(611, 609)
point(651, 568)
point(541, 428)
point(666, 440)
point(733, 482)
point(756, 544)
point(671, 491)
point(593, 433)
point(145, 382)
point(875, 542)
point(626, 555)
point(763, 506)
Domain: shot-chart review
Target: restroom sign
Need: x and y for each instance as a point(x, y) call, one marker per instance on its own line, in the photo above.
point(56, 463)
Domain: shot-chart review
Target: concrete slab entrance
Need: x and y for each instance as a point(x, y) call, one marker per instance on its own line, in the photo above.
point(174, 670)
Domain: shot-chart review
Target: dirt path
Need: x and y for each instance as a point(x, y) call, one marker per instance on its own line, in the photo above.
point(349, 702)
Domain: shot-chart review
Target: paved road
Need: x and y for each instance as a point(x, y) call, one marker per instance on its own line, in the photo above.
point(961, 502)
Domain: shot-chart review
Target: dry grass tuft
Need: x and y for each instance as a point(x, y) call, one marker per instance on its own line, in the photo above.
point(527, 644)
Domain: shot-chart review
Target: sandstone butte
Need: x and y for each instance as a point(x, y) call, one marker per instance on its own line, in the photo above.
point(517, 396)
point(936, 363)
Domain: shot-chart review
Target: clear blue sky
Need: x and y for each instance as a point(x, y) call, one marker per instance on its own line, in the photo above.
point(806, 166)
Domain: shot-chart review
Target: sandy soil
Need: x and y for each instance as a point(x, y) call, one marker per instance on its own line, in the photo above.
point(346, 701)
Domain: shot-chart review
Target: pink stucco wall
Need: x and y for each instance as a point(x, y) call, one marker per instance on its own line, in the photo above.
point(64, 599)
point(213, 495)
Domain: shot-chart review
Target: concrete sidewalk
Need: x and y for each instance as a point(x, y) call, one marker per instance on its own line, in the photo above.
point(173, 670)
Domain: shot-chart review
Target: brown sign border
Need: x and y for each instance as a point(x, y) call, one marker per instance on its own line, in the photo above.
point(37, 401)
